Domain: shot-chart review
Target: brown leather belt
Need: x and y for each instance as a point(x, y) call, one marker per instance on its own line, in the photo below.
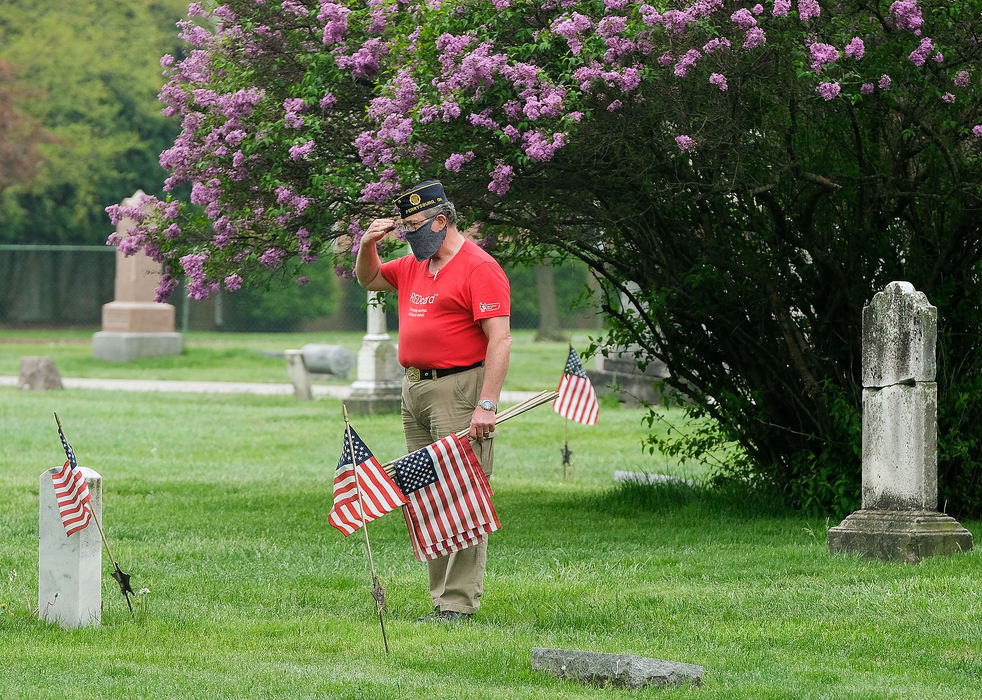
point(414, 374)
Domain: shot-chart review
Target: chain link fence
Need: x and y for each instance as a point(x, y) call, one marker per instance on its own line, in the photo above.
point(66, 286)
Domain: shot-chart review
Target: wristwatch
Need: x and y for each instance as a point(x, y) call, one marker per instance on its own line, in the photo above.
point(487, 405)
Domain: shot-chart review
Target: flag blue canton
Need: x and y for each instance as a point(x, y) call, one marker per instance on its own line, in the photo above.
point(414, 471)
point(72, 462)
point(362, 453)
point(573, 365)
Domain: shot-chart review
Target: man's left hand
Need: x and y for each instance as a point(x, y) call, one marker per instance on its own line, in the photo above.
point(482, 424)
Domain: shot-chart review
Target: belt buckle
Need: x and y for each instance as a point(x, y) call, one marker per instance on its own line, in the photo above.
point(413, 374)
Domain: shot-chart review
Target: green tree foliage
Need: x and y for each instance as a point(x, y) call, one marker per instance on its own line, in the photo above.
point(746, 175)
point(94, 73)
point(19, 134)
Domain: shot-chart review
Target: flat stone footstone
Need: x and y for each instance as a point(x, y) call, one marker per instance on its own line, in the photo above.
point(620, 670)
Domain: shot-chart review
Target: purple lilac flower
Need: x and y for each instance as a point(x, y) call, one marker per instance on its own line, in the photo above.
point(822, 54)
point(272, 257)
point(714, 45)
point(977, 131)
point(919, 55)
point(233, 282)
point(665, 59)
point(649, 15)
point(885, 82)
point(328, 101)
point(866, 88)
point(828, 91)
point(755, 37)
point(687, 61)
point(855, 48)
point(165, 288)
point(457, 160)
point(300, 150)
point(781, 8)
point(744, 18)
point(501, 178)
point(808, 9)
point(962, 79)
point(907, 15)
point(719, 80)
point(948, 97)
point(685, 143)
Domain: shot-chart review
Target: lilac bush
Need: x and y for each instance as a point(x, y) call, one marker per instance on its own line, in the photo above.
point(757, 169)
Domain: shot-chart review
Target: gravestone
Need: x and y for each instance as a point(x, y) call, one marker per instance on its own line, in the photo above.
point(134, 325)
point(38, 374)
point(899, 518)
point(619, 670)
point(378, 387)
point(69, 567)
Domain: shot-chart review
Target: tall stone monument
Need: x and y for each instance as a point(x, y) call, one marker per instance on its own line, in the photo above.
point(69, 567)
point(899, 517)
point(134, 325)
point(378, 386)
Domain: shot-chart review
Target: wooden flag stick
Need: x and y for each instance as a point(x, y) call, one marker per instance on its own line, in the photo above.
point(378, 593)
point(509, 413)
point(123, 579)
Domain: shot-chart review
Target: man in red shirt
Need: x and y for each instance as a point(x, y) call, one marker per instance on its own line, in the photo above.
point(454, 341)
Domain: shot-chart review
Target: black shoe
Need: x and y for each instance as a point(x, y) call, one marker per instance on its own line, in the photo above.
point(454, 616)
point(438, 615)
point(435, 615)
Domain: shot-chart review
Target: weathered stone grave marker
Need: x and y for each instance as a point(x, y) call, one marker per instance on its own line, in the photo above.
point(619, 670)
point(38, 373)
point(899, 518)
point(69, 567)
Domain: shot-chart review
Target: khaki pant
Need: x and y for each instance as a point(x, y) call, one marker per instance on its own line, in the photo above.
point(431, 410)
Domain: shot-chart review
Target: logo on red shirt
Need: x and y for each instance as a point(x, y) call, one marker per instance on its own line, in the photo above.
point(490, 307)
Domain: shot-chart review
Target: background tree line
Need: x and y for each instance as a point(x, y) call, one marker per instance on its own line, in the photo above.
point(80, 124)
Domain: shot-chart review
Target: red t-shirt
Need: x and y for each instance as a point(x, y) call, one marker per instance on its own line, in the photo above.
point(440, 315)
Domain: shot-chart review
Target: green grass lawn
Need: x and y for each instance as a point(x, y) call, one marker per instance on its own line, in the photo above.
point(218, 506)
point(245, 357)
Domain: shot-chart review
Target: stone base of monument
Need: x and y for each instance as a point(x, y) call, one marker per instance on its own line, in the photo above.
point(123, 347)
point(376, 398)
point(893, 535)
point(618, 670)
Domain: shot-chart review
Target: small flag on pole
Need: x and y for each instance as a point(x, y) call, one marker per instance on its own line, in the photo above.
point(448, 498)
point(577, 400)
point(379, 493)
point(71, 492)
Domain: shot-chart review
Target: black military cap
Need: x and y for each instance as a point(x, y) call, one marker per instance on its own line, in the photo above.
point(421, 197)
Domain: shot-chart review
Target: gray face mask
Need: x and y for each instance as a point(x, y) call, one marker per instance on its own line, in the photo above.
point(424, 241)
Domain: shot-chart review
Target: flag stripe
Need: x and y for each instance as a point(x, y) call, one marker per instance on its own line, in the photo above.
point(72, 496)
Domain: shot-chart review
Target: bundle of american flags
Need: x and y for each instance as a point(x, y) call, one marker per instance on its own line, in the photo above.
point(446, 495)
point(71, 492)
point(448, 498)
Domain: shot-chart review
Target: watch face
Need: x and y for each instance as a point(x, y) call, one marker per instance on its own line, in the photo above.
point(486, 404)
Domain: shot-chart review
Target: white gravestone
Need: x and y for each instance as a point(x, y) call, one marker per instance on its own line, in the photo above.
point(69, 567)
point(899, 518)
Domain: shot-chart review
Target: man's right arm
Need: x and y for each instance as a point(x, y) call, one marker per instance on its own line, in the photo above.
point(368, 265)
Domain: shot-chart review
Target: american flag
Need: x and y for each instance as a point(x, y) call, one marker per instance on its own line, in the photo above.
point(379, 494)
point(577, 400)
point(71, 492)
point(448, 498)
